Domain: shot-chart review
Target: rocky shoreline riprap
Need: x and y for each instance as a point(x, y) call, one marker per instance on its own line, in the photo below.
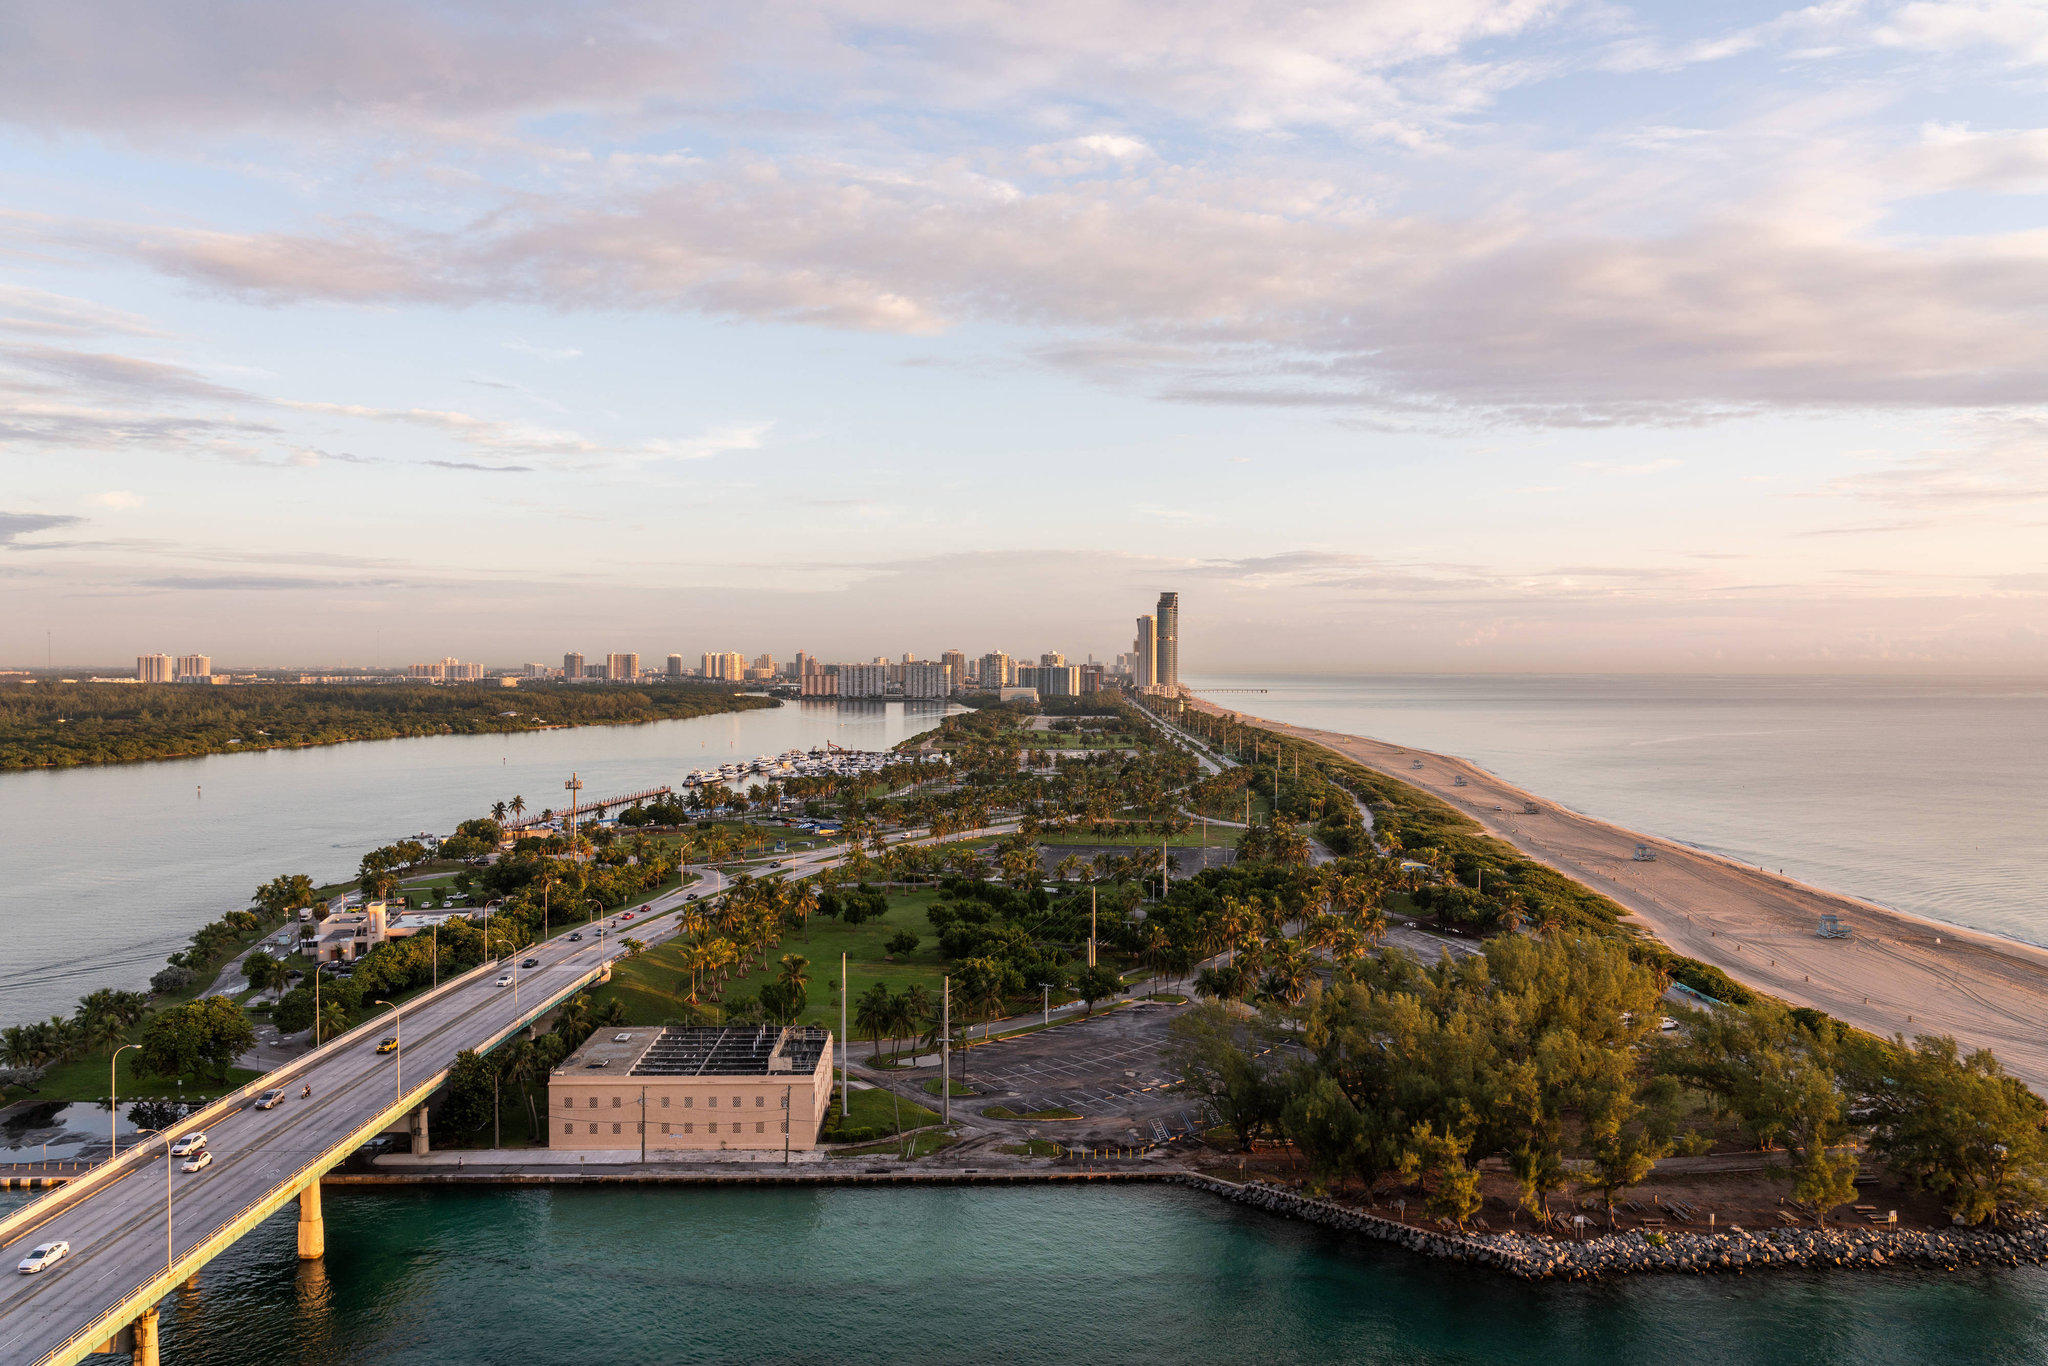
point(1536, 1258)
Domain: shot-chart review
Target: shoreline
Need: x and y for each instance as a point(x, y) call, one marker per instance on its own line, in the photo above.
point(1898, 973)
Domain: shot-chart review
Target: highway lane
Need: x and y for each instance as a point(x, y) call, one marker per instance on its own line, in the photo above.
point(117, 1231)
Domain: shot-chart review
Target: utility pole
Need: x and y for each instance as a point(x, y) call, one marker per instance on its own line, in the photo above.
point(1091, 926)
point(844, 1113)
point(785, 1125)
point(497, 1134)
point(946, 1046)
point(1045, 1002)
point(643, 1126)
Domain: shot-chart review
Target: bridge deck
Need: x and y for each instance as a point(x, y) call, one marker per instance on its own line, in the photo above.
point(120, 1260)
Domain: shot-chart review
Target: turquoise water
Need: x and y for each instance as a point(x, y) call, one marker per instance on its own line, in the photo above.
point(1927, 795)
point(1018, 1275)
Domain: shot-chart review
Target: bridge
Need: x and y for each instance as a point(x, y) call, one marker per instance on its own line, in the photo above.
point(577, 808)
point(139, 1226)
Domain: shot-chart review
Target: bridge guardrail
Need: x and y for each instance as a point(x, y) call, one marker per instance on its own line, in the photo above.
point(234, 1100)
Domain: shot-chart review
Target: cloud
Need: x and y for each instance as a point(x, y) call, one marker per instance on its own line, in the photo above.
point(478, 465)
point(17, 524)
point(118, 498)
point(2001, 464)
point(1626, 469)
point(263, 583)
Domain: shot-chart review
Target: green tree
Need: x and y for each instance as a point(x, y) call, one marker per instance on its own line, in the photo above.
point(199, 1038)
point(1956, 1124)
point(873, 1015)
point(466, 1103)
point(1217, 1055)
point(1324, 1124)
point(1435, 1160)
point(1099, 983)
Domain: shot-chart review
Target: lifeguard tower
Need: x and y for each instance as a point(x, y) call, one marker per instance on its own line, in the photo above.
point(1831, 927)
point(1458, 782)
point(1531, 809)
point(1645, 854)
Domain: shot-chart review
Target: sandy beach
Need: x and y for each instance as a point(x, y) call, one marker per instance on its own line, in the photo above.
point(1896, 974)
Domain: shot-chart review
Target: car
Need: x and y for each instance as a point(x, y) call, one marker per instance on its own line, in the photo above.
point(199, 1161)
point(269, 1099)
point(576, 938)
point(529, 963)
point(188, 1145)
point(42, 1257)
point(388, 1046)
point(506, 980)
point(627, 916)
point(1667, 1024)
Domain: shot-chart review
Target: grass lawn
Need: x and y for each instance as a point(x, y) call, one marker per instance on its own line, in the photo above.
point(653, 987)
point(874, 1108)
point(931, 1087)
point(86, 1079)
point(1005, 1112)
point(1215, 837)
point(1037, 1147)
point(917, 1145)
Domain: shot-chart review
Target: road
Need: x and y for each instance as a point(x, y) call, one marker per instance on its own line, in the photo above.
point(117, 1230)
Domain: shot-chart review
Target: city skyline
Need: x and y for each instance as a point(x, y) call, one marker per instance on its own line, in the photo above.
point(1482, 335)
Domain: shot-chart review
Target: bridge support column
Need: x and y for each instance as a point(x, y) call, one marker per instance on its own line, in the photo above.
point(312, 1227)
point(144, 1352)
point(418, 1126)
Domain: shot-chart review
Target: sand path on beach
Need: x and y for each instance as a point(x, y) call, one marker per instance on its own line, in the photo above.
point(1897, 974)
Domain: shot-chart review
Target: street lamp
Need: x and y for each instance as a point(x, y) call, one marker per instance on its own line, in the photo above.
point(113, 1105)
point(398, 1045)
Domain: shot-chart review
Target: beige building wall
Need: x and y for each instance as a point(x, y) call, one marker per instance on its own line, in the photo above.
point(702, 1114)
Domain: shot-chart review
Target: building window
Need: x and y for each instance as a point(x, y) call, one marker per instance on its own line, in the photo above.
point(568, 1128)
point(760, 1126)
point(689, 1102)
point(593, 1128)
point(735, 1102)
point(713, 1126)
point(664, 1128)
point(689, 1128)
point(615, 1102)
point(759, 1101)
point(593, 1102)
point(785, 1100)
point(615, 1128)
point(664, 1102)
point(712, 1101)
point(785, 1126)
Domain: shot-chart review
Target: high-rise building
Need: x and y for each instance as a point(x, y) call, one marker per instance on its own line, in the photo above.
point(572, 666)
point(805, 666)
point(926, 679)
point(1051, 659)
point(1166, 660)
point(863, 680)
point(622, 666)
point(153, 668)
point(1091, 677)
point(195, 668)
point(726, 665)
point(820, 683)
point(1051, 680)
point(675, 666)
point(535, 670)
point(998, 670)
point(957, 661)
point(1144, 652)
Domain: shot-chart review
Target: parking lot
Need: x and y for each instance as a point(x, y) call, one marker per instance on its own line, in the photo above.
point(1111, 1070)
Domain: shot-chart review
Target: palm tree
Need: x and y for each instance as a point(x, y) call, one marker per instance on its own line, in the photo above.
point(873, 1014)
point(518, 807)
point(793, 981)
point(914, 1007)
point(497, 811)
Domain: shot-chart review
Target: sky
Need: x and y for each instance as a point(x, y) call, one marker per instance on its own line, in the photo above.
point(1464, 335)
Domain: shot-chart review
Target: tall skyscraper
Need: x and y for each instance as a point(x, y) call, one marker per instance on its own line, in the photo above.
point(1166, 656)
point(997, 670)
point(957, 659)
point(1145, 655)
point(572, 666)
point(727, 665)
point(198, 668)
point(1051, 659)
point(806, 665)
point(621, 667)
point(153, 668)
point(675, 666)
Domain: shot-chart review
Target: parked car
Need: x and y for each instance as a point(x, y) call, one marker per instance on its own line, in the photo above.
point(1667, 1024)
point(42, 1257)
point(388, 1046)
point(188, 1145)
point(506, 980)
point(199, 1161)
point(269, 1099)
point(529, 962)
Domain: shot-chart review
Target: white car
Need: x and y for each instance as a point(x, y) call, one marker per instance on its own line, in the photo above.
point(505, 981)
point(188, 1145)
point(42, 1257)
point(199, 1161)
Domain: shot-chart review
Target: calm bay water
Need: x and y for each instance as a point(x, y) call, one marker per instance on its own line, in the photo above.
point(1929, 796)
point(109, 869)
point(1031, 1275)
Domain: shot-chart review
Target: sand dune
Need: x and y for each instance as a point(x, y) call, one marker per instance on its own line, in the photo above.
point(1897, 974)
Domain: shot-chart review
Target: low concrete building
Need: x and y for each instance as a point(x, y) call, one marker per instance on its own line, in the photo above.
point(698, 1089)
point(345, 937)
